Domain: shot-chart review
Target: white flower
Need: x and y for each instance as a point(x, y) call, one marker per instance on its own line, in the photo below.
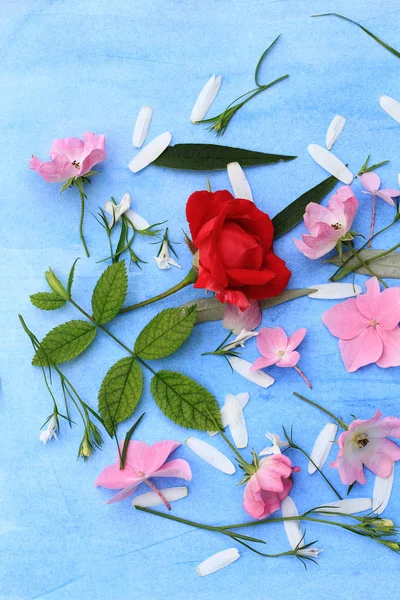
point(205, 99)
point(240, 339)
point(50, 432)
point(334, 130)
point(312, 552)
point(164, 260)
point(123, 208)
point(277, 444)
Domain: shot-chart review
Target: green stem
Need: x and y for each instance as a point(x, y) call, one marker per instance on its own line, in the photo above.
point(364, 264)
point(190, 278)
point(382, 254)
point(340, 422)
point(82, 194)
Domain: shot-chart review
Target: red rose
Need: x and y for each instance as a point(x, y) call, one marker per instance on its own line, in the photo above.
point(234, 241)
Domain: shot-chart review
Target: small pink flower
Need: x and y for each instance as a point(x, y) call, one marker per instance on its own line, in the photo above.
point(372, 183)
point(71, 157)
point(142, 462)
point(277, 349)
point(368, 327)
point(327, 225)
point(365, 443)
point(268, 486)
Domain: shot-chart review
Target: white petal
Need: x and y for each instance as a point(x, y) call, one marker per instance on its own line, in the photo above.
point(293, 528)
point(334, 291)
point(162, 262)
point(173, 262)
point(211, 455)
point(236, 422)
point(382, 491)
point(391, 107)
point(239, 183)
point(205, 99)
point(125, 203)
point(242, 367)
point(330, 163)
point(313, 552)
point(142, 126)
point(322, 447)
point(348, 506)
point(150, 152)
point(218, 561)
point(334, 130)
point(153, 499)
point(137, 221)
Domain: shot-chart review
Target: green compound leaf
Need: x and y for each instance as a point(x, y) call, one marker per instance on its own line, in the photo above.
point(109, 293)
point(165, 333)
point(185, 401)
point(65, 342)
point(120, 392)
point(47, 301)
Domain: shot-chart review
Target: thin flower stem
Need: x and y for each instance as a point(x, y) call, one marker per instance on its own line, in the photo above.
point(373, 214)
point(83, 197)
point(381, 254)
point(364, 264)
point(300, 372)
point(232, 447)
point(190, 278)
point(159, 493)
point(340, 422)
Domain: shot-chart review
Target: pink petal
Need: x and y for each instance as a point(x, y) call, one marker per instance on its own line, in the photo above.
point(385, 196)
point(314, 215)
point(382, 427)
point(344, 320)
point(252, 501)
point(155, 456)
point(343, 193)
point(350, 467)
point(350, 208)
point(123, 494)
point(58, 170)
point(363, 350)
point(295, 339)
point(390, 356)
point(371, 182)
point(72, 148)
point(262, 362)
point(380, 459)
point(367, 303)
point(388, 313)
point(175, 468)
point(94, 141)
point(113, 478)
point(95, 157)
point(343, 206)
point(324, 240)
point(236, 319)
point(271, 340)
point(289, 360)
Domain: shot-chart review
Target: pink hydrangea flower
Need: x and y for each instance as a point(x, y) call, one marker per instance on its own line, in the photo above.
point(268, 486)
point(327, 225)
point(71, 157)
point(142, 462)
point(365, 443)
point(367, 327)
point(372, 183)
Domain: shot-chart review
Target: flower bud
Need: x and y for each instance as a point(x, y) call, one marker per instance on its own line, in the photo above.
point(392, 545)
point(56, 285)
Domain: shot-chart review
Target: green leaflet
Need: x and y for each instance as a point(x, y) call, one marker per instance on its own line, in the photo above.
point(210, 309)
point(109, 293)
point(120, 392)
point(387, 267)
point(65, 342)
point(47, 301)
point(293, 213)
point(211, 157)
point(185, 401)
point(71, 277)
point(165, 333)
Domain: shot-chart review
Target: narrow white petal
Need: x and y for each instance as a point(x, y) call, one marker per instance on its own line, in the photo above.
point(334, 130)
point(142, 126)
point(330, 163)
point(162, 263)
point(313, 552)
point(243, 398)
point(205, 99)
point(348, 506)
point(150, 152)
point(125, 203)
point(150, 499)
point(293, 528)
point(236, 422)
point(334, 291)
point(211, 455)
point(391, 107)
point(218, 561)
point(137, 221)
point(322, 447)
point(173, 262)
point(240, 185)
point(242, 367)
point(381, 493)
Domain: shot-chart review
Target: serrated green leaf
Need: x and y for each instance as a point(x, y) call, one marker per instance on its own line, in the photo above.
point(120, 392)
point(47, 301)
point(185, 401)
point(109, 293)
point(387, 267)
point(65, 342)
point(71, 277)
point(294, 212)
point(212, 157)
point(165, 333)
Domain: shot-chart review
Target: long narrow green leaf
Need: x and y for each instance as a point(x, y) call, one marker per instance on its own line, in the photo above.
point(263, 55)
point(128, 436)
point(293, 213)
point(372, 35)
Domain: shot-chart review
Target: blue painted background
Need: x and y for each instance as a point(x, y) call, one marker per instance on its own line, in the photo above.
point(69, 67)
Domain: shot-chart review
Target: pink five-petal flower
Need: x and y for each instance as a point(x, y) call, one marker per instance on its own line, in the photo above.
point(367, 327)
point(268, 486)
point(327, 224)
point(365, 443)
point(71, 157)
point(372, 183)
point(142, 462)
